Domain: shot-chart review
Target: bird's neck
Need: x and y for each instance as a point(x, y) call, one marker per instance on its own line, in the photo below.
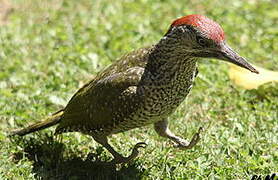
point(169, 61)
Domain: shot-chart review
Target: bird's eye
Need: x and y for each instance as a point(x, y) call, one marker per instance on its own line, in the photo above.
point(201, 41)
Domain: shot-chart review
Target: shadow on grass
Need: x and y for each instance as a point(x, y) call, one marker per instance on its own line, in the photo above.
point(46, 153)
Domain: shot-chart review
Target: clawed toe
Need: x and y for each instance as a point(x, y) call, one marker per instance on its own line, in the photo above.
point(121, 160)
point(183, 144)
point(140, 145)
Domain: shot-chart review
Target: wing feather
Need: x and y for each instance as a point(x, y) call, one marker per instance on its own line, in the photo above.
point(99, 102)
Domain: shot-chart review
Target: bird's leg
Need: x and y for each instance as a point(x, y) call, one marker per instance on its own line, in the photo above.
point(118, 158)
point(161, 127)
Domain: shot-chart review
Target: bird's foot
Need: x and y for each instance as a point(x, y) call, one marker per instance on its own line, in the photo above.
point(119, 159)
point(184, 144)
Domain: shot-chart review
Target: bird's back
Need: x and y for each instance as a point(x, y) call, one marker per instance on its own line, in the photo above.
point(103, 102)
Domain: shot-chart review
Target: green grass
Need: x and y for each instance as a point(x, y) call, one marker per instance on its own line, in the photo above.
point(48, 49)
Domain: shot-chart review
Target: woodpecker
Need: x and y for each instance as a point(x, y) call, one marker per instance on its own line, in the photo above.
point(144, 87)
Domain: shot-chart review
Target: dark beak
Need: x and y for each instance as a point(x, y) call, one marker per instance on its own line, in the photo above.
point(228, 54)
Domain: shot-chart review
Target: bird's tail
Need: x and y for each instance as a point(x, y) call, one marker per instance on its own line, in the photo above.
point(49, 121)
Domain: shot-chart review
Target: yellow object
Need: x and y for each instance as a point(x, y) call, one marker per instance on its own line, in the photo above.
point(247, 80)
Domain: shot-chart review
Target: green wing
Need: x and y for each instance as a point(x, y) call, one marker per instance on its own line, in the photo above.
point(107, 98)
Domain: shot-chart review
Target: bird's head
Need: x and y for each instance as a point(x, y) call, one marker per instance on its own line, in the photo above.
point(202, 37)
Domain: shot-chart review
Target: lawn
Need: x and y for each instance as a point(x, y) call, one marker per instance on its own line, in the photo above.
point(48, 49)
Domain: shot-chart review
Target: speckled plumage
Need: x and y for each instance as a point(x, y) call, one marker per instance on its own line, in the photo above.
point(144, 87)
point(129, 94)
